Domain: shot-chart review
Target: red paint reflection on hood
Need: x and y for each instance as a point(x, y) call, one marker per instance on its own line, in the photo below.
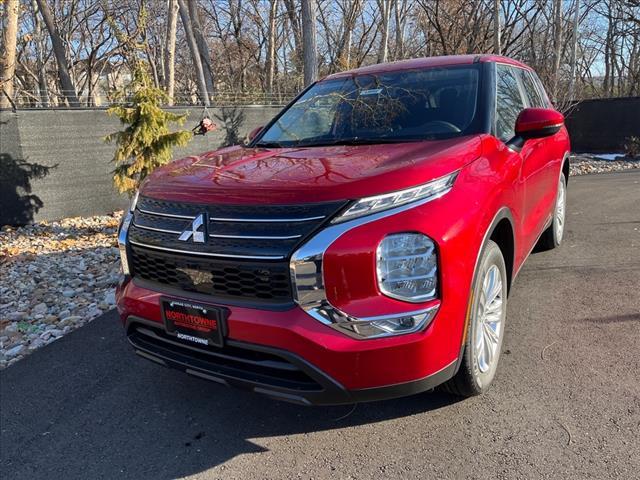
point(311, 174)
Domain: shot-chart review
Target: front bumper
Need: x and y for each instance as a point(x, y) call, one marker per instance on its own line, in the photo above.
point(288, 355)
point(276, 373)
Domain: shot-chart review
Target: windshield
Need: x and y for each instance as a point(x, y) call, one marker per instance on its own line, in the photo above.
point(387, 107)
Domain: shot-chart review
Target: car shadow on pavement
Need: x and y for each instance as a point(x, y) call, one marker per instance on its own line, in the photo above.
point(87, 407)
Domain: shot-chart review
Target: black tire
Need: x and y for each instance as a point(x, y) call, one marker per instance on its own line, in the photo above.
point(553, 235)
point(470, 380)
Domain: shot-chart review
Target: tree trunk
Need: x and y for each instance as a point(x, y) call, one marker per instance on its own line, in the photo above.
point(170, 50)
point(290, 6)
point(271, 46)
point(66, 84)
point(385, 12)
point(343, 50)
point(557, 44)
point(497, 48)
point(309, 44)
point(400, 14)
point(9, 41)
point(195, 54)
point(574, 51)
point(205, 57)
point(43, 87)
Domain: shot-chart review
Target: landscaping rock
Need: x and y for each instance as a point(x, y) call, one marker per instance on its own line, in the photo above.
point(54, 278)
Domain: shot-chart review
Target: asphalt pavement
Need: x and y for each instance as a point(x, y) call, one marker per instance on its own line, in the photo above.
point(565, 404)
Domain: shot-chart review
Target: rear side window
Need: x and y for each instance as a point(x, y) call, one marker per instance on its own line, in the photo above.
point(533, 93)
point(545, 98)
point(509, 102)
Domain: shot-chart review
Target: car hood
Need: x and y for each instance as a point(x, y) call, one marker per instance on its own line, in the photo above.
point(241, 175)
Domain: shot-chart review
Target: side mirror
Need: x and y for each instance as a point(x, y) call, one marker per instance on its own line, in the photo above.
point(254, 133)
point(535, 123)
point(538, 123)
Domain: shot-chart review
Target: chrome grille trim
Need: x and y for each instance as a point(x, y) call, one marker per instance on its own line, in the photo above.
point(214, 235)
point(255, 237)
point(154, 229)
point(233, 220)
point(206, 254)
point(168, 215)
point(266, 220)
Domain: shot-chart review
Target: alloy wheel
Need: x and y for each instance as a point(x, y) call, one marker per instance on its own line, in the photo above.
point(561, 202)
point(489, 320)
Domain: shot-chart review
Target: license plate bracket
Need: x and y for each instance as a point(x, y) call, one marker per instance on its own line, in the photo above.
point(195, 322)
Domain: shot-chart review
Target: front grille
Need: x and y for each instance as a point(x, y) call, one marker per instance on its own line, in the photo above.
point(245, 251)
point(231, 362)
point(268, 282)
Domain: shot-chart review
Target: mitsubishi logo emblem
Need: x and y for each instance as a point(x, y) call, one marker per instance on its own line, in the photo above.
point(194, 230)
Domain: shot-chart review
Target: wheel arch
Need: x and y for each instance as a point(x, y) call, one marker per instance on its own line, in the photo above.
point(565, 168)
point(503, 235)
point(502, 229)
point(502, 232)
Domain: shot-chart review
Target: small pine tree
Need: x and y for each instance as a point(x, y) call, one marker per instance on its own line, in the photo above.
point(146, 143)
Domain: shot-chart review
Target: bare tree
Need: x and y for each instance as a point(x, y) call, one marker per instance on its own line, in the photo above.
point(497, 49)
point(9, 41)
point(43, 87)
point(195, 54)
point(400, 10)
point(385, 15)
point(271, 45)
point(310, 47)
point(66, 84)
point(170, 49)
point(203, 49)
point(296, 27)
point(349, 22)
point(580, 48)
point(574, 49)
point(557, 43)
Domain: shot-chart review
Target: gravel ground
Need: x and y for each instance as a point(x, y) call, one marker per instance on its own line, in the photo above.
point(54, 278)
point(585, 164)
point(57, 276)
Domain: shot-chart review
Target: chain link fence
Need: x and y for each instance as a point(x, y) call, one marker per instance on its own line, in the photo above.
point(25, 99)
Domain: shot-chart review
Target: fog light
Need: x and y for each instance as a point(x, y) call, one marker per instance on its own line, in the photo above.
point(407, 267)
point(380, 326)
point(401, 324)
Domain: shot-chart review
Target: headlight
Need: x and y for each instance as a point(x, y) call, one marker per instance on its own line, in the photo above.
point(369, 205)
point(407, 267)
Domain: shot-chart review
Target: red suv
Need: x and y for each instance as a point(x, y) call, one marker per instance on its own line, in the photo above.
point(362, 244)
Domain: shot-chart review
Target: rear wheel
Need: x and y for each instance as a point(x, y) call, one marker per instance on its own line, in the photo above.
point(552, 236)
point(485, 329)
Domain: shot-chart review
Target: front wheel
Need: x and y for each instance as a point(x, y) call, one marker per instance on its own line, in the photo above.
point(552, 236)
point(485, 329)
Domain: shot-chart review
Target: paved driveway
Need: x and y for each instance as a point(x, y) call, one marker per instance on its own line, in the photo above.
point(566, 403)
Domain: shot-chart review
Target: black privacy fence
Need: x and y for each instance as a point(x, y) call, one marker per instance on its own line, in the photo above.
point(54, 163)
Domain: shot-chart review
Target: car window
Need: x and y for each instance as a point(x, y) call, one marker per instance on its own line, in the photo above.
point(313, 116)
point(533, 93)
point(509, 102)
point(409, 105)
point(545, 98)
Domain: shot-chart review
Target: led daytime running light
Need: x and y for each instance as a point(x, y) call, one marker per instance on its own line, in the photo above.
point(369, 205)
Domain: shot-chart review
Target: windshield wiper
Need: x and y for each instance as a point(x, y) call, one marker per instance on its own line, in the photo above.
point(361, 141)
point(268, 145)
